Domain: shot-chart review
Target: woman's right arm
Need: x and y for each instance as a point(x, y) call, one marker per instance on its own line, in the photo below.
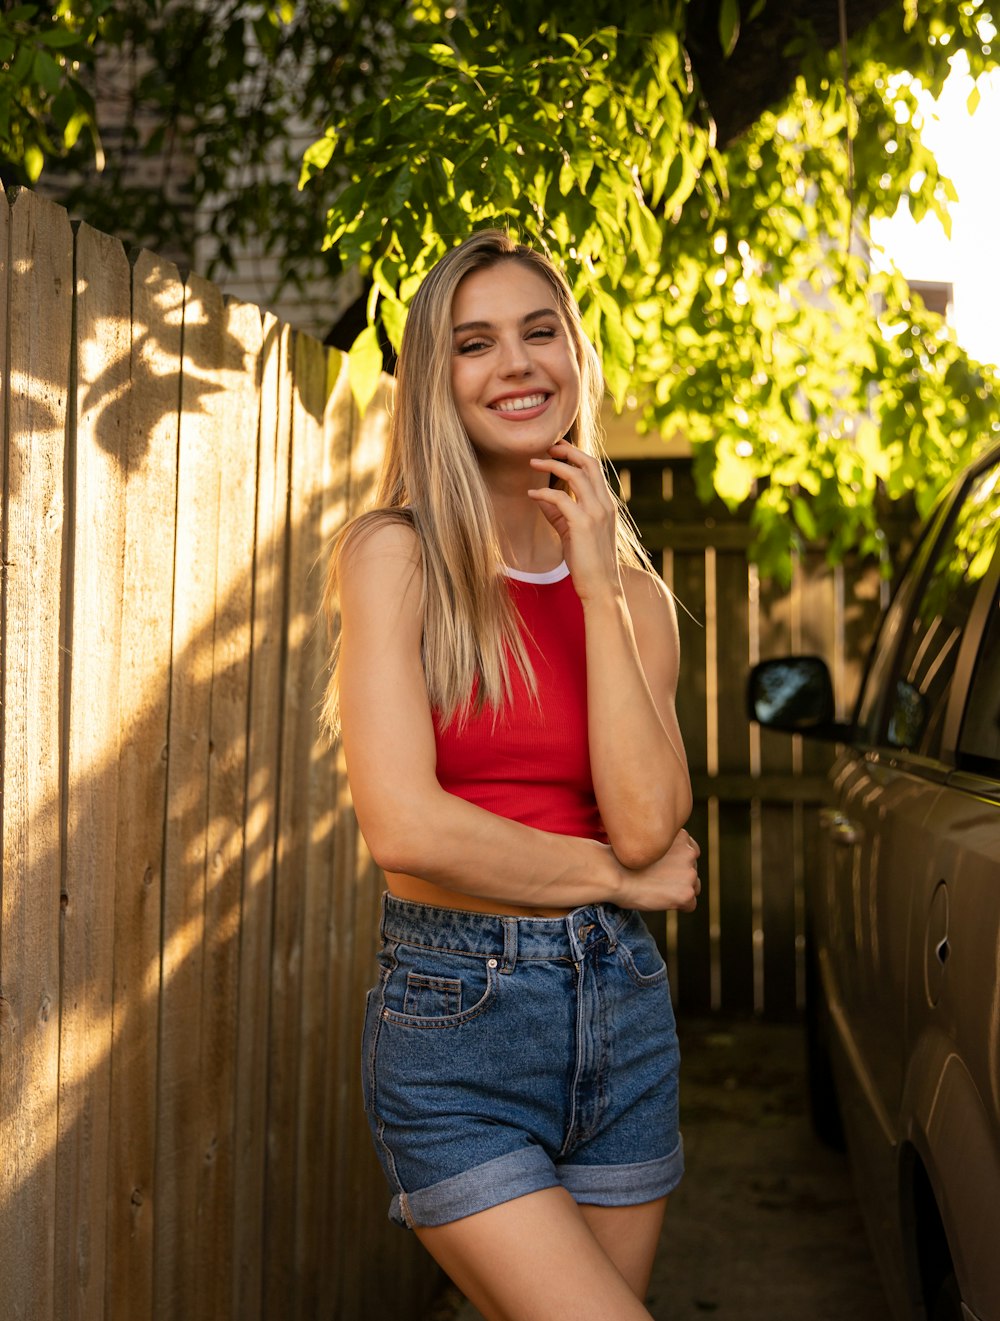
point(410, 823)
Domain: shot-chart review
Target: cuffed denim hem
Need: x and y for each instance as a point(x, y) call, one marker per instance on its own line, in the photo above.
point(529, 1170)
point(624, 1185)
point(526, 1170)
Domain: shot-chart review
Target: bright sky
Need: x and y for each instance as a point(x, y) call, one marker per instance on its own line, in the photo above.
point(967, 148)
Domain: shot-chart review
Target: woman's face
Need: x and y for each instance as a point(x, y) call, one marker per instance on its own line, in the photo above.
point(514, 373)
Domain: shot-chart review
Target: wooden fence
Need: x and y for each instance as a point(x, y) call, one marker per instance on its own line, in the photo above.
point(756, 792)
point(188, 914)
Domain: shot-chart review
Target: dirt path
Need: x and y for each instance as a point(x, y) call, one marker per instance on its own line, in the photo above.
point(764, 1226)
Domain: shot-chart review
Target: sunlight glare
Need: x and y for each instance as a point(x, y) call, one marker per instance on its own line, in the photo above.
point(962, 143)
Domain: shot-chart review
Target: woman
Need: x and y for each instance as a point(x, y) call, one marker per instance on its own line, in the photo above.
point(505, 691)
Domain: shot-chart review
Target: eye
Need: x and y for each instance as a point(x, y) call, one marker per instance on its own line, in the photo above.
point(472, 346)
point(542, 332)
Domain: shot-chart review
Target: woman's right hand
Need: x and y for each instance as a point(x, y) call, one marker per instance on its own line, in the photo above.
point(670, 882)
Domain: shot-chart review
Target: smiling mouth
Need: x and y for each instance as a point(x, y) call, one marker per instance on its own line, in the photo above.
point(521, 404)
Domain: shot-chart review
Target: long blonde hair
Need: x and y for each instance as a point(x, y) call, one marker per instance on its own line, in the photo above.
point(431, 480)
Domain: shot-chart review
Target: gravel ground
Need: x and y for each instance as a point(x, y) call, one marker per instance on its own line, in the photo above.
point(764, 1226)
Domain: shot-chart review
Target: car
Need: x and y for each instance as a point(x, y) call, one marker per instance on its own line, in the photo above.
point(903, 915)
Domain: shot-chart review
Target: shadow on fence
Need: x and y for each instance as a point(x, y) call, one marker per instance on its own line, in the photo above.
point(188, 911)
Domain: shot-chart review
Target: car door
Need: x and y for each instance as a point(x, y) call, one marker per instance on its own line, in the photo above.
point(881, 873)
point(951, 1102)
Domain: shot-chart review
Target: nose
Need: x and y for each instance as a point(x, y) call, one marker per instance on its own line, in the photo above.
point(514, 357)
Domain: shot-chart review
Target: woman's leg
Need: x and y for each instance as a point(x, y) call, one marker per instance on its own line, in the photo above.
point(629, 1235)
point(536, 1259)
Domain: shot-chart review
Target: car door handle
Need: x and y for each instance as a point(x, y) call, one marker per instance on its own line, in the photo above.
point(842, 829)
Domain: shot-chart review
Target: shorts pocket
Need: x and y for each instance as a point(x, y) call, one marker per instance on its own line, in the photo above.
point(639, 954)
point(432, 997)
point(428, 989)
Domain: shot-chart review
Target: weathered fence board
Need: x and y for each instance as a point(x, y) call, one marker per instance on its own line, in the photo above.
point(692, 968)
point(149, 488)
point(40, 316)
point(342, 1048)
point(97, 534)
point(319, 795)
point(260, 836)
point(736, 937)
point(775, 840)
point(239, 333)
point(286, 954)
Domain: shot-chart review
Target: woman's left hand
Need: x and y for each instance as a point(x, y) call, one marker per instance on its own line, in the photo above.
point(584, 515)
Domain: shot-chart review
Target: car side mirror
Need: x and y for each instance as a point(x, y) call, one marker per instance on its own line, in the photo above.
point(795, 694)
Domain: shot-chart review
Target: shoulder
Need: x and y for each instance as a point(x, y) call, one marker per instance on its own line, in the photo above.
point(654, 623)
point(378, 542)
point(650, 601)
point(379, 559)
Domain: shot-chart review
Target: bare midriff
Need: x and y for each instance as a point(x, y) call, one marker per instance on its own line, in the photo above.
point(419, 891)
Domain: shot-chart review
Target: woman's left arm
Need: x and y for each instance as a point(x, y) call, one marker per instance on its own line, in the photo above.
point(637, 756)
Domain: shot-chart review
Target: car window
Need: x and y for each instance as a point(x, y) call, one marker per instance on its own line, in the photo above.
point(979, 741)
point(868, 714)
point(930, 648)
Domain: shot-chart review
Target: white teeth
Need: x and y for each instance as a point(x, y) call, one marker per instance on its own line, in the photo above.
point(517, 405)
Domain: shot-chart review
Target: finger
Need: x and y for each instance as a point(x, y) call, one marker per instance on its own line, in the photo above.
point(556, 519)
point(572, 454)
point(588, 502)
point(584, 464)
point(551, 496)
point(580, 482)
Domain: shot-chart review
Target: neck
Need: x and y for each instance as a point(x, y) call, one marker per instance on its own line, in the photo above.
point(527, 539)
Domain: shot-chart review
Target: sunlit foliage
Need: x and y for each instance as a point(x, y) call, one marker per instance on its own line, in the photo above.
point(729, 289)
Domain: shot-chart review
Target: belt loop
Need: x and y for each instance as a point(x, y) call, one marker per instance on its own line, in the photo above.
point(384, 913)
point(607, 922)
point(509, 944)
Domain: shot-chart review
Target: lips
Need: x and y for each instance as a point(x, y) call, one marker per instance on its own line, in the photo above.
point(519, 403)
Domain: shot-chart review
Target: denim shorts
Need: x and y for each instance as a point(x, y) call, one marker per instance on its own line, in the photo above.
point(503, 1055)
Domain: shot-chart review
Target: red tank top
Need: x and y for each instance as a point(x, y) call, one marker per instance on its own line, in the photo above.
point(532, 762)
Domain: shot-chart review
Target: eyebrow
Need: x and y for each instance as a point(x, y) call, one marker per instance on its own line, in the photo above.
point(489, 325)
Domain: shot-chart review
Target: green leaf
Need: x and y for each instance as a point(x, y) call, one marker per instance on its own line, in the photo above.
point(364, 367)
point(394, 319)
point(48, 72)
point(56, 38)
point(63, 108)
point(24, 62)
point(77, 123)
point(729, 26)
point(317, 156)
point(805, 519)
point(733, 476)
point(34, 162)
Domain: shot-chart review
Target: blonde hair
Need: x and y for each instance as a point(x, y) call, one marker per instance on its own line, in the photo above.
point(431, 480)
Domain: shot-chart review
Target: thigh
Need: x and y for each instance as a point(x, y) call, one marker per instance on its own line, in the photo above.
point(629, 1236)
point(533, 1259)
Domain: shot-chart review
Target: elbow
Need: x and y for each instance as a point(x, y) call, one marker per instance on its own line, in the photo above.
point(633, 857)
point(393, 851)
point(398, 839)
point(639, 846)
point(649, 836)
